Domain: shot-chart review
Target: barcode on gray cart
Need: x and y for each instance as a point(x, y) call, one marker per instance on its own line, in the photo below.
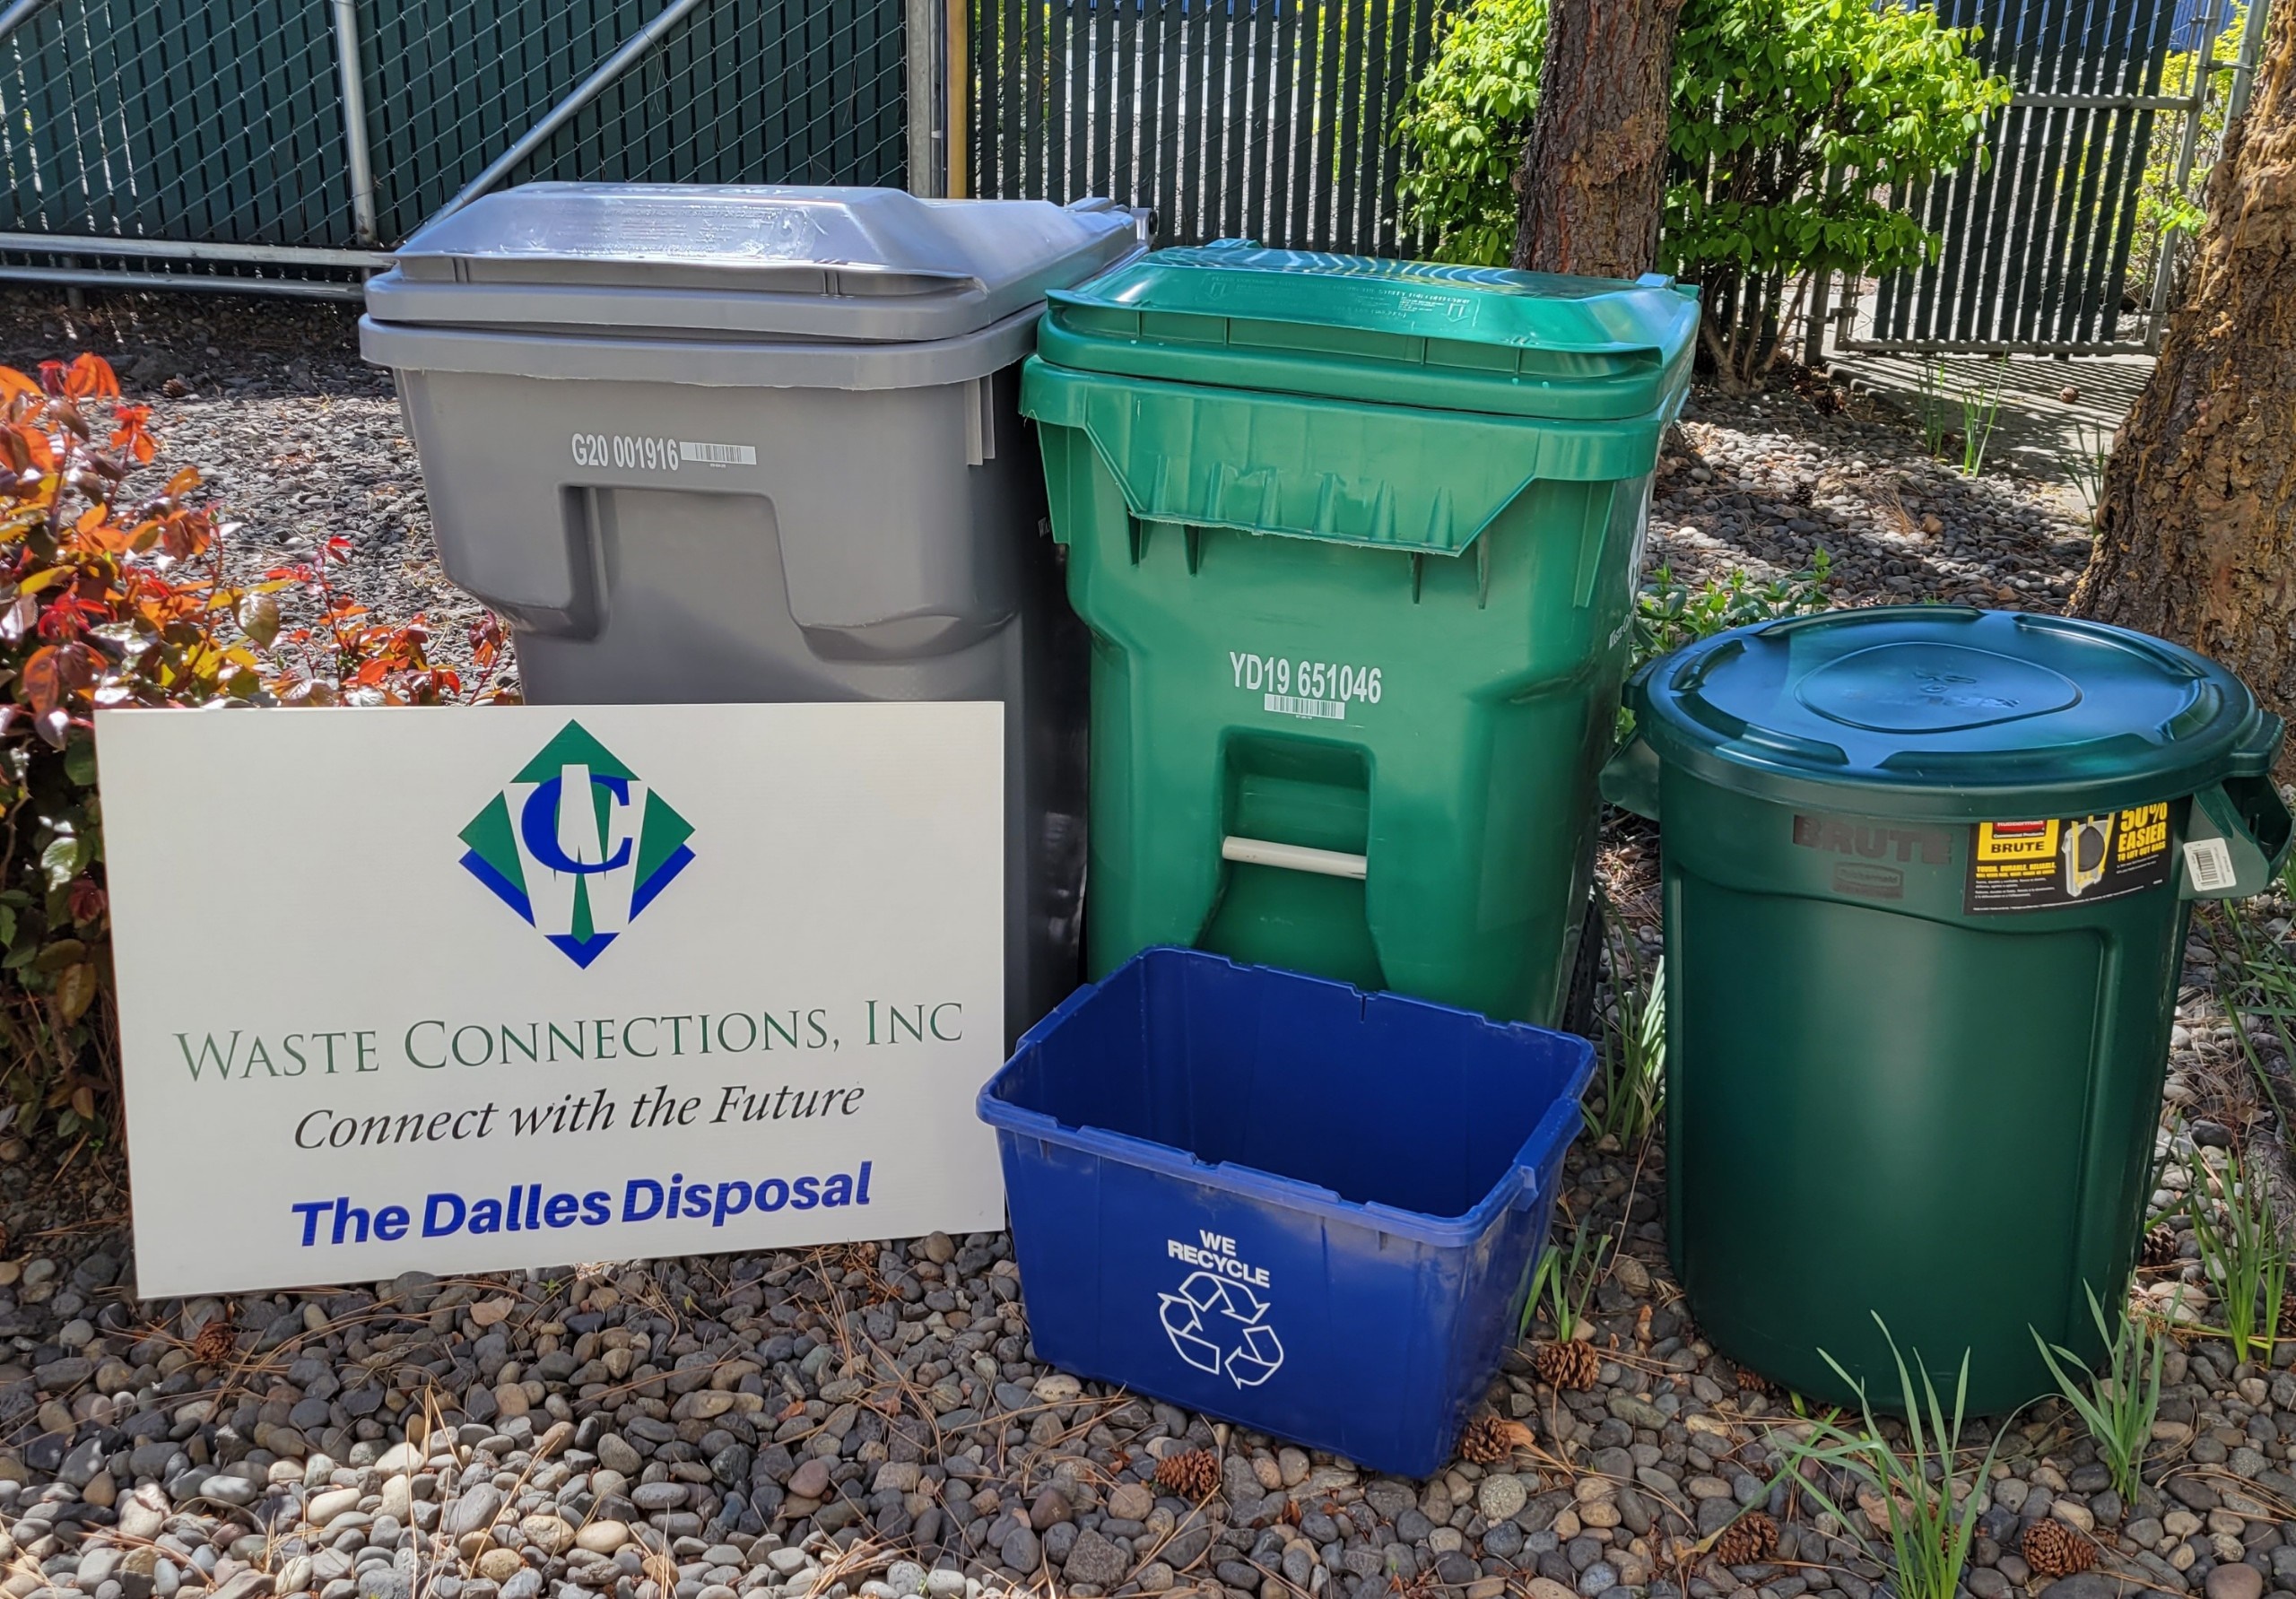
point(717, 454)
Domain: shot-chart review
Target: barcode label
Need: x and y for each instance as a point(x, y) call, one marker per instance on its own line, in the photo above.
point(1292, 705)
point(717, 454)
point(2209, 863)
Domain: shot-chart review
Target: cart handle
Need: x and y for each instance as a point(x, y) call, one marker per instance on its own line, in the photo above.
point(1294, 858)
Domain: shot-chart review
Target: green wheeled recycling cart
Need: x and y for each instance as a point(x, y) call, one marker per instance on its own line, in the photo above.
point(1927, 876)
point(1357, 542)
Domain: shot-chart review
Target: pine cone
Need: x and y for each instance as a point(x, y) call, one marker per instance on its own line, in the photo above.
point(1487, 1439)
point(1570, 1364)
point(2054, 1550)
point(2160, 1246)
point(1748, 1541)
point(1194, 1474)
point(1752, 1381)
point(2288, 1314)
point(217, 1341)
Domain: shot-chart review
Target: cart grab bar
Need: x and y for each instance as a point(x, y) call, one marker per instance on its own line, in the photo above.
point(1293, 857)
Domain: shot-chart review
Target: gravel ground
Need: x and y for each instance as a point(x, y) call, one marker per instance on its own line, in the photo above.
point(299, 441)
point(1763, 483)
point(868, 1419)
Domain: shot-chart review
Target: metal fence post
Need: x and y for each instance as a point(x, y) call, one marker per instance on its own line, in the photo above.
point(356, 163)
point(956, 98)
point(2244, 69)
point(1813, 331)
point(921, 23)
point(2156, 315)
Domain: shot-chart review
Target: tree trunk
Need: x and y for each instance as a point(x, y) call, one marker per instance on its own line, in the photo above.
point(2197, 524)
point(1595, 168)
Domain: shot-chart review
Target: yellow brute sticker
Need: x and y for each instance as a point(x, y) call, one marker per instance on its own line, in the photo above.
point(2054, 862)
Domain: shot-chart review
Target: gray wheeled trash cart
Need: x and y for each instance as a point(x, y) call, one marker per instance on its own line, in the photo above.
point(762, 444)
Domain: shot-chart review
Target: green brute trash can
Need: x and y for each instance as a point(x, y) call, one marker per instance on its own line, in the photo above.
point(1356, 541)
point(1927, 872)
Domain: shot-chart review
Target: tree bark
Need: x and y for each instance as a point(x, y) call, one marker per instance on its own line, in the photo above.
point(1595, 168)
point(2197, 523)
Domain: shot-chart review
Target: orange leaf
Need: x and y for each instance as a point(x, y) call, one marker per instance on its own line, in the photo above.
point(44, 680)
point(92, 519)
point(183, 483)
point(12, 383)
point(91, 374)
point(129, 432)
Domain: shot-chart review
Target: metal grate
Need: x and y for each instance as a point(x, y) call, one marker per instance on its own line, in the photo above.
point(1270, 119)
point(150, 132)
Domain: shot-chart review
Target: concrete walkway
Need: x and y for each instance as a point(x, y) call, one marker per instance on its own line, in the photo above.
point(2058, 415)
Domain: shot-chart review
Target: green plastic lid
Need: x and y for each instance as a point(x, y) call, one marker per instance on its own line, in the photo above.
point(1457, 338)
point(1945, 712)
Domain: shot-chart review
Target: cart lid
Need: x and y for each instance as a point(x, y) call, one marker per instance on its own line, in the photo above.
point(856, 265)
point(1410, 333)
point(1946, 711)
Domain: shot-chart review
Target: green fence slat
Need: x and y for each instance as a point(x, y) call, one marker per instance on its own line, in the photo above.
point(1226, 53)
point(1368, 195)
point(1113, 97)
point(1172, 95)
point(1301, 112)
point(1285, 196)
point(1347, 156)
point(1329, 47)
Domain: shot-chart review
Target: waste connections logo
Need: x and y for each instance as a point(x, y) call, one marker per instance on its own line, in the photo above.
point(577, 844)
point(1217, 1325)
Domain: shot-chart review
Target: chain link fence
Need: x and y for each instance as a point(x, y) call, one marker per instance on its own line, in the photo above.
point(174, 139)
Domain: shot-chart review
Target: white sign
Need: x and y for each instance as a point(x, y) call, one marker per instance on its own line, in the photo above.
point(471, 990)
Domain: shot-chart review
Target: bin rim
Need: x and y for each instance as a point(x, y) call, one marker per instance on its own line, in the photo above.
point(1524, 1182)
point(730, 362)
point(1483, 340)
point(2233, 736)
point(855, 264)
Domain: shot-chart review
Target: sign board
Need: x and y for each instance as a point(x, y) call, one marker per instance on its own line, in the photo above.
point(471, 989)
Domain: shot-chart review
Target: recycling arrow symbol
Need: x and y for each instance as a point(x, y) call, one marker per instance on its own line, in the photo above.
point(1219, 1327)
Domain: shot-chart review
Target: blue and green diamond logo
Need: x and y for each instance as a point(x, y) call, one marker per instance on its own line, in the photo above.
point(577, 844)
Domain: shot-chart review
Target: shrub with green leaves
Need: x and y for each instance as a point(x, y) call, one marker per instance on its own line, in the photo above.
point(1668, 614)
point(1464, 130)
point(1793, 120)
point(114, 592)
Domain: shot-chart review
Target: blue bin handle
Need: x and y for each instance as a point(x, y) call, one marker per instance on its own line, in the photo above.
point(1544, 1148)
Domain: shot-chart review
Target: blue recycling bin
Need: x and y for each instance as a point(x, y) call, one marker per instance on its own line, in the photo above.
point(1280, 1200)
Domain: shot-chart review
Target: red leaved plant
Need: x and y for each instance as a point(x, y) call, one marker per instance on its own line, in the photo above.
point(114, 596)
